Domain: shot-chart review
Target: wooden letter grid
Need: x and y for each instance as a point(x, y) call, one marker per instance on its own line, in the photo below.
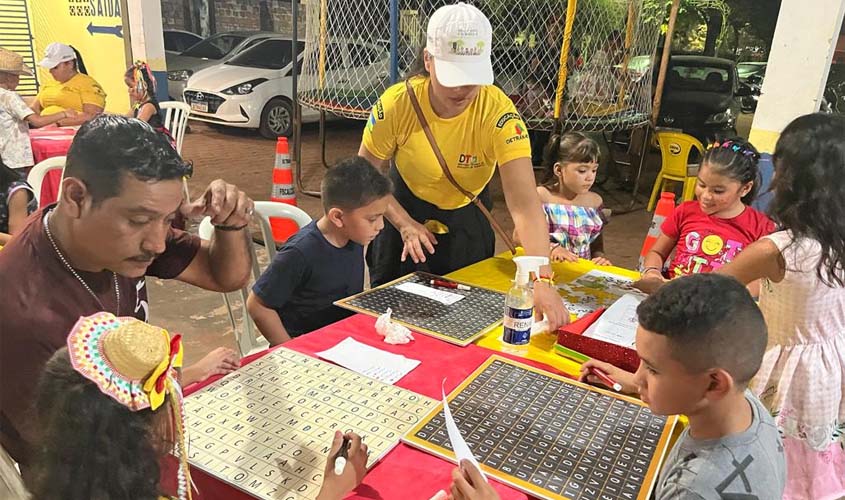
point(550, 436)
point(267, 428)
point(461, 323)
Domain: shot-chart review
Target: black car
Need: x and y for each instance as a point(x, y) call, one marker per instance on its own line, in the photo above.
point(701, 96)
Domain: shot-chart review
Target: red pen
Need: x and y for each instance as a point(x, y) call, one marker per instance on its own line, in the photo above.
point(449, 284)
point(601, 374)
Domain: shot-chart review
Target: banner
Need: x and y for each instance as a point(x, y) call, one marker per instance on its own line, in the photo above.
point(94, 28)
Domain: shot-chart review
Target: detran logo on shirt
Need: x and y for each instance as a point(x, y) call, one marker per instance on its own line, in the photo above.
point(520, 133)
point(468, 160)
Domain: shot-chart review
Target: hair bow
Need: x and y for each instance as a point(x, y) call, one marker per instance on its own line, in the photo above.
point(159, 382)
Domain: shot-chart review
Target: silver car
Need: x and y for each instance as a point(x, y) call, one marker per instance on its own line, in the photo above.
point(213, 50)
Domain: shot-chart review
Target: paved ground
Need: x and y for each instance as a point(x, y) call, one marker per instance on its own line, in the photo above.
point(246, 159)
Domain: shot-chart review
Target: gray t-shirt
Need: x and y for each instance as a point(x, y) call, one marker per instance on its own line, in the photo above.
point(750, 465)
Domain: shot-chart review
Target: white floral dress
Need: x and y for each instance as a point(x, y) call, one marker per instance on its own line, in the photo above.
point(802, 378)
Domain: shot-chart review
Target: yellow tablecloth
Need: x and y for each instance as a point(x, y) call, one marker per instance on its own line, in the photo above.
point(498, 272)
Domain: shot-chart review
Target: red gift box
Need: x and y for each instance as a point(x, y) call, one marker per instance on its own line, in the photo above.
point(571, 336)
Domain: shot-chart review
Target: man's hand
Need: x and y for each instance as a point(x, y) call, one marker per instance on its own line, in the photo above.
point(336, 486)
point(218, 362)
point(417, 239)
point(468, 484)
point(548, 303)
point(224, 203)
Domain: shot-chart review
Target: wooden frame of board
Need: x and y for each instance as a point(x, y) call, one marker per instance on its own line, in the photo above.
point(650, 478)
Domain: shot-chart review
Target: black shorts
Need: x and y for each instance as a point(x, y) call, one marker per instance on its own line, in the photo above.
point(470, 238)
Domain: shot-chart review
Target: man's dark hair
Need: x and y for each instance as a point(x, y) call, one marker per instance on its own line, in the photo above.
point(353, 183)
point(710, 321)
point(108, 147)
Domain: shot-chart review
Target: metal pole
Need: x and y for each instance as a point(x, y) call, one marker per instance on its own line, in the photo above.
point(297, 108)
point(664, 62)
point(394, 41)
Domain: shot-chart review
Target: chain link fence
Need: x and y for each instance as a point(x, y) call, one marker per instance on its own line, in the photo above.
point(603, 82)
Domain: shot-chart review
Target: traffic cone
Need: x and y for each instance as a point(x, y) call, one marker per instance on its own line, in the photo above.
point(665, 206)
point(283, 191)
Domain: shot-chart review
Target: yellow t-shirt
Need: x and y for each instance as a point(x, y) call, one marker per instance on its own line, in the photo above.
point(488, 132)
point(56, 97)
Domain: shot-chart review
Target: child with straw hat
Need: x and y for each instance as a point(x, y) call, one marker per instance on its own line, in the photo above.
point(110, 407)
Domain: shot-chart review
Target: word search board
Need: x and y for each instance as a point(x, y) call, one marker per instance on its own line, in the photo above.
point(475, 312)
point(266, 429)
point(549, 436)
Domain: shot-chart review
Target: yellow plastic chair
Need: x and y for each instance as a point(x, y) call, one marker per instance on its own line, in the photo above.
point(675, 148)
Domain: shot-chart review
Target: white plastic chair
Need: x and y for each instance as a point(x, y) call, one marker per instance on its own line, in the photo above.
point(175, 120)
point(36, 175)
point(248, 338)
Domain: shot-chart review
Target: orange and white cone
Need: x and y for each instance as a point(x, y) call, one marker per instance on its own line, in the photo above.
point(283, 191)
point(665, 206)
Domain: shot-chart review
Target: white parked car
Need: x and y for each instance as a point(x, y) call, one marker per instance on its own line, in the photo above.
point(253, 89)
point(209, 52)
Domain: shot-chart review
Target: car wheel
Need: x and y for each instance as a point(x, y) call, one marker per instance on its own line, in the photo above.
point(276, 119)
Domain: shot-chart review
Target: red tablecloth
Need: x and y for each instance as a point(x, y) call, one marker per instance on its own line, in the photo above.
point(48, 143)
point(405, 472)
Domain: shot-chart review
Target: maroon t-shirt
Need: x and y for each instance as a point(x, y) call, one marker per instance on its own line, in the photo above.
point(41, 301)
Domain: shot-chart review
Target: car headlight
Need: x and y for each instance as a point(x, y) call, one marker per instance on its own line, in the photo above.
point(179, 75)
point(720, 118)
point(244, 88)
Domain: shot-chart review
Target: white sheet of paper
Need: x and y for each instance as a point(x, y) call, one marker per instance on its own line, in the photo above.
point(367, 360)
point(618, 323)
point(459, 446)
point(442, 296)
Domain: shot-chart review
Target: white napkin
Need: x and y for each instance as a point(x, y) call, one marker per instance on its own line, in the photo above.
point(392, 333)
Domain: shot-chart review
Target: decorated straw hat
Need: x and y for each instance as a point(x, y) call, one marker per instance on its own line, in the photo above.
point(135, 364)
point(12, 62)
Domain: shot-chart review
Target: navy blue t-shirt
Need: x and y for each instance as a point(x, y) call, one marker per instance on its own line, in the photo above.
point(307, 276)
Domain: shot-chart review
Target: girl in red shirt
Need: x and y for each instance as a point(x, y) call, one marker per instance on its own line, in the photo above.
point(709, 232)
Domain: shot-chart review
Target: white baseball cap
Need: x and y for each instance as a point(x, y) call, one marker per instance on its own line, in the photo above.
point(460, 39)
point(55, 54)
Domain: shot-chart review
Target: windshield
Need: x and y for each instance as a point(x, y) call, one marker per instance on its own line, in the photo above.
point(269, 54)
point(700, 77)
point(747, 69)
point(214, 47)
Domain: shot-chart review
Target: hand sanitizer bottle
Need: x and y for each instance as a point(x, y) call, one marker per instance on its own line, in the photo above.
point(519, 306)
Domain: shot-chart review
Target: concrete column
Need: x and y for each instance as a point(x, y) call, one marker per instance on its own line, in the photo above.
point(145, 30)
point(803, 45)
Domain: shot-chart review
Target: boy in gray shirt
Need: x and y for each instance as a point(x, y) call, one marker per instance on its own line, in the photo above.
point(701, 339)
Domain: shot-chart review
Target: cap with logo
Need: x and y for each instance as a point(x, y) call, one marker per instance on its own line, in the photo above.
point(56, 54)
point(12, 63)
point(460, 39)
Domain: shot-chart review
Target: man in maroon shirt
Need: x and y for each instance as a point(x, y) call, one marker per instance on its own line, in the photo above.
point(121, 190)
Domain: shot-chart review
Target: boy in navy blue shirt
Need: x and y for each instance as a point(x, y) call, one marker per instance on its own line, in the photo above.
point(324, 261)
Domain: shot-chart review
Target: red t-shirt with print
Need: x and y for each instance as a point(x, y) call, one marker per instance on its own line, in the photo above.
point(706, 242)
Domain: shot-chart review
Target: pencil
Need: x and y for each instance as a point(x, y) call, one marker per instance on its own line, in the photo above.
point(601, 374)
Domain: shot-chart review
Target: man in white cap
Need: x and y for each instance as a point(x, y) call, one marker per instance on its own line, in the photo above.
point(15, 115)
point(476, 127)
point(72, 89)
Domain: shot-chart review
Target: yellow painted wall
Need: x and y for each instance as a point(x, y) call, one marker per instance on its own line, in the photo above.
point(89, 26)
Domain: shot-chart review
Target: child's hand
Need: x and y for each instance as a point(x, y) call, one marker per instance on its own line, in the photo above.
point(218, 362)
point(560, 254)
point(601, 260)
point(468, 484)
point(650, 283)
point(618, 374)
point(336, 487)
